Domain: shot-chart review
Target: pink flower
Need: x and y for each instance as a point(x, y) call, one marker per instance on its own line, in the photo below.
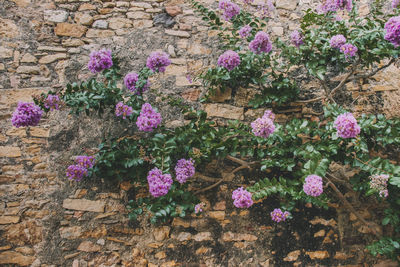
point(313, 185)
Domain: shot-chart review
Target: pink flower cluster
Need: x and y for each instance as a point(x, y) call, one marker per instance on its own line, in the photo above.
point(278, 216)
point(26, 114)
point(100, 60)
point(242, 198)
point(337, 41)
point(199, 207)
point(230, 60)
point(335, 5)
point(52, 102)
point(130, 81)
point(148, 119)
point(296, 38)
point(379, 182)
point(184, 169)
point(261, 43)
point(313, 185)
point(158, 61)
point(395, 3)
point(245, 31)
point(349, 50)
point(392, 28)
point(159, 183)
point(346, 126)
point(264, 126)
point(80, 169)
point(229, 9)
point(123, 110)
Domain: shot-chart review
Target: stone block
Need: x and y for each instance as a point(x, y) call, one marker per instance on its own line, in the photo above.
point(84, 205)
point(10, 151)
point(68, 29)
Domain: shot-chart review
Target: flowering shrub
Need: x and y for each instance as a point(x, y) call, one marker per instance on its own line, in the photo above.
point(346, 126)
point(229, 60)
point(100, 60)
point(278, 215)
point(26, 114)
point(313, 185)
point(286, 154)
point(242, 198)
point(148, 119)
point(158, 61)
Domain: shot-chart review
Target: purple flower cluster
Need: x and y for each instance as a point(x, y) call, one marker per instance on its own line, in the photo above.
point(335, 5)
point(264, 126)
point(392, 28)
point(130, 81)
point(199, 207)
point(349, 50)
point(184, 169)
point(148, 119)
point(100, 60)
point(313, 185)
point(278, 216)
point(123, 110)
point(395, 3)
point(346, 126)
point(230, 60)
point(242, 198)
point(80, 169)
point(261, 43)
point(229, 9)
point(379, 182)
point(296, 38)
point(158, 61)
point(245, 31)
point(337, 41)
point(26, 114)
point(159, 183)
point(85, 161)
point(247, 2)
point(52, 102)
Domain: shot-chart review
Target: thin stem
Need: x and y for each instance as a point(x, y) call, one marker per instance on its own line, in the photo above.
point(349, 206)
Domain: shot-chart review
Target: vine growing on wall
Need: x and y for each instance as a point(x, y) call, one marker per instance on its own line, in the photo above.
point(295, 158)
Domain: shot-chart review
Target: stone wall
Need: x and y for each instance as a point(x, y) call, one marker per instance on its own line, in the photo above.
point(47, 221)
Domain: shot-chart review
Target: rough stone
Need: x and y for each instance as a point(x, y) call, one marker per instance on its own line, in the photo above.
point(68, 29)
point(51, 58)
point(93, 33)
point(28, 58)
point(84, 205)
point(72, 42)
point(138, 15)
point(86, 6)
point(100, 24)
point(5, 52)
point(118, 23)
point(11, 257)
point(22, 3)
point(224, 111)
point(28, 70)
point(178, 33)
point(88, 246)
point(286, 4)
point(10, 151)
point(161, 233)
point(8, 29)
point(318, 254)
point(292, 256)
point(218, 215)
point(9, 219)
point(55, 15)
point(203, 236)
point(83, 18)
point(70, 232)
point(173, 10)
point(164, 20)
